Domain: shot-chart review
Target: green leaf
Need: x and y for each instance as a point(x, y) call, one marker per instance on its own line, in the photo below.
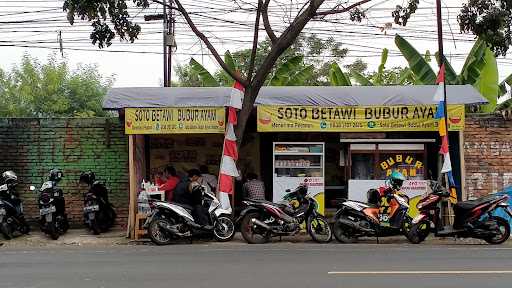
point(300, 77)
point(507, 104)
point(487, 83)
point(382, 66)
point(228, 58)
point(418, 64)
point(285, 70)
point(337, 77)
point(450, 74)
point(406, 76)
point(503, 88)
point(361, 79)
point(474, 63)
point(207, 80)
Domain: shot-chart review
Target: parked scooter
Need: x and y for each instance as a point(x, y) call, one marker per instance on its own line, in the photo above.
point(171, 221)
point(261, 220)
point(11, 209)
point(99, 213)
point(357, 219)
point(473, 218)
point(52, 206)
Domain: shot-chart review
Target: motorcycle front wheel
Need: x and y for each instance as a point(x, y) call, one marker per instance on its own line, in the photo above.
point(158, 234)
point(93, 225)
point(224, 229)
point(343, 233)
point(251, 233)
point(6, 230)
point(502, 231)
point(419, 232)
point(53, 231)
point(319, 229)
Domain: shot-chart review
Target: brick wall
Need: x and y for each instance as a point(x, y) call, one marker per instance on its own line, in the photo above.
point(487, 154)
point(31, 147)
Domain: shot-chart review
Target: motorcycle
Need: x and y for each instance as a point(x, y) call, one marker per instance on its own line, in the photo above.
point(99, 213)
point(261, 220)
point(473, 218)
point(11, 208)
point(170, 221)
point(52, 208)
point(358, 219)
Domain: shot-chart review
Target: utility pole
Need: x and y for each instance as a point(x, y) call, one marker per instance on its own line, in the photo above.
point(166, 70)
point(169, 41)
point(441, 64)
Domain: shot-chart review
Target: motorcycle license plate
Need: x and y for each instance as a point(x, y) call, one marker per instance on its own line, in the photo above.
point(417, 219)
point(48, 210)
point(91, 208)
point(2, 211)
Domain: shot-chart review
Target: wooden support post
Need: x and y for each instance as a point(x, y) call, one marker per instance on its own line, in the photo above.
point(133, 187)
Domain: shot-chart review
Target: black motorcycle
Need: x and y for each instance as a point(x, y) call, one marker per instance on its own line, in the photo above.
point(52, 206)
point(99, 213)
point(12, 219)
point(473, 218)
point(261, 219)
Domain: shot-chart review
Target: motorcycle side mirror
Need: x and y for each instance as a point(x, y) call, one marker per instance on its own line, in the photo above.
point(32, 188)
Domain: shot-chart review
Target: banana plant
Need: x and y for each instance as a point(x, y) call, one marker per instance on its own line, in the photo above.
point(480, 70)
point(293, 72)
point(337, 77)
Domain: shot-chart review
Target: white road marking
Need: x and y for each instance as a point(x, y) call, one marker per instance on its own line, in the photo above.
point(416, 272)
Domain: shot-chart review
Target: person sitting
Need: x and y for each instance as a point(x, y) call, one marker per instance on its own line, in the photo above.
point(170, 184)
point(196, 188)
point(254, 189)
point(210, 179)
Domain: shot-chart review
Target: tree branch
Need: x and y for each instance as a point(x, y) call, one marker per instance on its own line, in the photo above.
point(342, 10)
point(252, 61)
point(284, 41)
point(266, 22)
point(209, 45)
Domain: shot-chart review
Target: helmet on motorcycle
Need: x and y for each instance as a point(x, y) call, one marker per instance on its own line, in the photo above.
point(396, 180)
point(10, 178)
point(87, 177)
point(55, 175)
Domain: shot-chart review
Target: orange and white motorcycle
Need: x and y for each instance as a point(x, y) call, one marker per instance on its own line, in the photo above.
point(356, 219)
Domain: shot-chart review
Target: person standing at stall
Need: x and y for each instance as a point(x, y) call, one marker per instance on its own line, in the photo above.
point(254, 189)
point(170, 184)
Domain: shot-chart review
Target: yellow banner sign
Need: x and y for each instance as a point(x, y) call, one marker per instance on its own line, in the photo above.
point(355, 119)
point(174, 120)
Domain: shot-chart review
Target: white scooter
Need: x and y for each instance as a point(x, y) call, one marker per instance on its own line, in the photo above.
point(169, 221)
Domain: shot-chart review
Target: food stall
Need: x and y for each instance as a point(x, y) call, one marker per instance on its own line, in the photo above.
point(337, 138)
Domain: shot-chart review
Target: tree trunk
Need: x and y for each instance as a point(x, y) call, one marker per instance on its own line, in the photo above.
point(250, 94)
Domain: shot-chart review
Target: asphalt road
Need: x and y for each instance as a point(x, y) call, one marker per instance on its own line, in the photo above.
point(240, 265)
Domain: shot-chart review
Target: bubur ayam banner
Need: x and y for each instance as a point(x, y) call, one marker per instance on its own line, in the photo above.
point(272, 118)
point(174, 120)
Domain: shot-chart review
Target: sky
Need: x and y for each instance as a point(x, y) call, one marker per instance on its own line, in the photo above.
point(32, 27)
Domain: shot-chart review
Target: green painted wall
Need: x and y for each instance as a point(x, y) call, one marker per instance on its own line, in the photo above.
point(31, 147)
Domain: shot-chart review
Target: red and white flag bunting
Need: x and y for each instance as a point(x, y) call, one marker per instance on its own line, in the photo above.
point(228, 169)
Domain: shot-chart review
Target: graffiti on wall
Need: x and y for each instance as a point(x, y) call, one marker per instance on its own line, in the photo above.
point(489, 182)
point(492, 148)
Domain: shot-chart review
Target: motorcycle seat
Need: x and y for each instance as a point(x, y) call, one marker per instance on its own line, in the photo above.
point(470, 204)
point(185, 206)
